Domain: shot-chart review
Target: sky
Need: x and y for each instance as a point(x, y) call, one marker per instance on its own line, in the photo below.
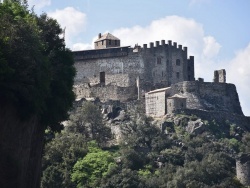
point(216, 32)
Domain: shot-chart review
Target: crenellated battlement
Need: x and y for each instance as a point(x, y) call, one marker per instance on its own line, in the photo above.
point(163, 44)
point(125, 50)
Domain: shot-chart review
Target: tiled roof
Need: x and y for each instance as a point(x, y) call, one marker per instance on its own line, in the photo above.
point(107, 36)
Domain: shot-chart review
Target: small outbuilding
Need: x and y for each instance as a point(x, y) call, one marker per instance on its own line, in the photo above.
point(159, 102)
point(156, 102)
point(176, 102)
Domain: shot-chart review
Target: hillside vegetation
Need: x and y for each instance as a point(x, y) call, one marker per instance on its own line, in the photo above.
point(175, 151)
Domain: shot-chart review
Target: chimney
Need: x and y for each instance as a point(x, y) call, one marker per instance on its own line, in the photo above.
point(100, 35)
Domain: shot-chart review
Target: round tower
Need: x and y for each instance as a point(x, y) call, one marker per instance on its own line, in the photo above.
point(243, 169)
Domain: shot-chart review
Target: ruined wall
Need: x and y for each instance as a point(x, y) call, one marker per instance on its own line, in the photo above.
point(220, 76)
point(105, 93)
point(209, 96)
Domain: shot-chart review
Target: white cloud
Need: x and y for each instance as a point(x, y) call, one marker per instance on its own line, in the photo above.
point(211, 47)
point(81, 46)
point(39, 3)
point(239, 74)
point(73, 20)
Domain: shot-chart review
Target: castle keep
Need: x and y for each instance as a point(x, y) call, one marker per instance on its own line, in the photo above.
point(128, 71)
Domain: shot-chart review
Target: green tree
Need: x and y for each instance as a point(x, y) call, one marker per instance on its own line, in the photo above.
point(122, 178)
point(60, 155)
point(95, 165)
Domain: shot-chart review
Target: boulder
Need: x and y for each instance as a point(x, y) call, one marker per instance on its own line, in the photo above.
point(195, 127)
point(121, 116)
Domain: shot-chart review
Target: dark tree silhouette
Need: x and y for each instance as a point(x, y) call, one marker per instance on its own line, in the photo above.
point(36, 78)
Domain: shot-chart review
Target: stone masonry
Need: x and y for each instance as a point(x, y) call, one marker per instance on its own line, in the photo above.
point(208, 96)
point(157, 66)
point(220, 76)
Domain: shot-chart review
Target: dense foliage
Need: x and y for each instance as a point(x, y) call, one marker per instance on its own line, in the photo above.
point(150, 157)
point(36, 70)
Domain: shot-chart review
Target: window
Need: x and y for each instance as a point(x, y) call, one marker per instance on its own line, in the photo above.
point(178, 75)
point(102, 77)
point(97, 44)
point(178, 62)
point(158, 60)
point(109, 42)
point(102, 42)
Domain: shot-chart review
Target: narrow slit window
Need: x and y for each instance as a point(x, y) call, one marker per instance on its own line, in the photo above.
point(178, 75)
point(178, 62)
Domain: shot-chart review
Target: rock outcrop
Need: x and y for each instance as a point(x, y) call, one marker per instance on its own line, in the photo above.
point(195, 127)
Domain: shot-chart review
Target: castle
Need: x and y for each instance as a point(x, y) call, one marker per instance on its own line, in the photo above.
point(111, 71)
point(160, 75)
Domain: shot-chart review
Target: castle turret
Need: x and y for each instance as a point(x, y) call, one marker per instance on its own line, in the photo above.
point(106, 41)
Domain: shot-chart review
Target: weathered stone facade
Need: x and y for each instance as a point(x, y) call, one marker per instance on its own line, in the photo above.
point(124, 73)
point(209, 96)
point(158, 66)
point(176, 102)
point(156, 102)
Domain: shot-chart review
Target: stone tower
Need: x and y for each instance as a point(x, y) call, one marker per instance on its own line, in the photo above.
point(243, 169)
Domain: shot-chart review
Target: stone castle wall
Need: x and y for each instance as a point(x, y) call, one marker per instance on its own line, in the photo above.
point(115, 68)
point(209, 96)
point(160, 65)
point(105, 93)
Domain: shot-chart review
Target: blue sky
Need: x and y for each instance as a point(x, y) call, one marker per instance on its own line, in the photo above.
point(216, 32)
